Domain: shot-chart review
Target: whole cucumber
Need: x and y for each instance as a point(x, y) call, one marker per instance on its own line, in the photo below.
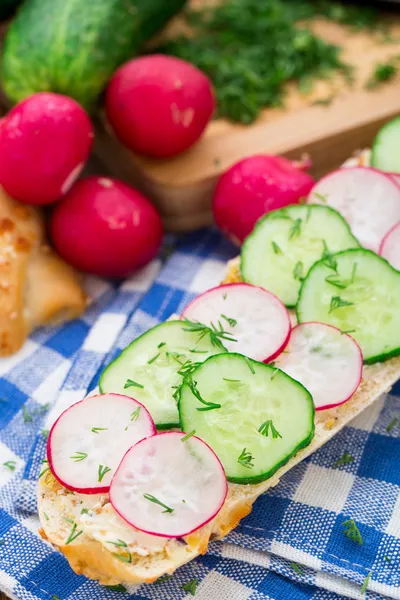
point(73, 46)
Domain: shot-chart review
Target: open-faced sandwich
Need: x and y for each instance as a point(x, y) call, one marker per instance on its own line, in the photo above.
point(200, 415)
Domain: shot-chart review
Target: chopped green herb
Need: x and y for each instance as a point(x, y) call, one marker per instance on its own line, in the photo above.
point(298, 271)
point(84, 511)
point(387, 559)
point(322, 198)
point(231, 322)
point(231, 380)
point(188, 435)
point(10, 464)
point(382, 73)
point(79, 456)
point(217, 162)
point(54, 597)
point(366, 582)
point(26, 415)
point(163, 578)
point(130, 383)
point(119, 543)
point(296, 568)
point(207, 405)
point(216, 334)
point(46, 516)
point(124, 557)
point(162, 344)
point(190, 586)
point(295, 229)
point(342, 284)
point(97, 429)
point(156, 501)
point(343, 460)
point(249, 365)
point(149, 362)
point(73, 535)
point(135, 414)
point(328, 258)
point(337, 302)
point(102, 471)
point(116, 588)
point(224, 296)
point(392, 424)
point(246, 459)
point(68, 520)
point(343, 331)
point(276, 248)
point(352, 532)
point(45, 433)
point(44, 461)
point(268, 426)
point(2, 542)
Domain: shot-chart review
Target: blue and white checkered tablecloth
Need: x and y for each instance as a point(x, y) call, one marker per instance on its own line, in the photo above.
point(292, 546)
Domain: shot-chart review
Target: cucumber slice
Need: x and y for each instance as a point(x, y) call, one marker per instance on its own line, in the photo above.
point(385, 147)
point(285, 243)
point(152, 367)
point(390, 247)
point(253, 416)
point(361, 296)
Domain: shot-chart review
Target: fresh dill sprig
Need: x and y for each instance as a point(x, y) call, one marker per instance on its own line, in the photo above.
point(102, 471)
point(135, 414)
point(97, 429)
point(190, 586)
point(246, 459)
point(337, 302)
point(79, 456)
point(151, 498)
point(295, 229)
point(276, 248)
point(352, 532)
point(343, 460)
point(268, 426)
point(296, 568)
point(328, 258)
point(10, 464)
point(298, 271)
point(207, 405)
point(150, 362)
point(188, 435)
point(216, 334)
point(73, 535)
point(130, 383)
point(231, 322)
point(392, 424)
point(366, 582)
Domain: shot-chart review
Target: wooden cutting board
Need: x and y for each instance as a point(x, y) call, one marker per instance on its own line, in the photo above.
point(182, 187)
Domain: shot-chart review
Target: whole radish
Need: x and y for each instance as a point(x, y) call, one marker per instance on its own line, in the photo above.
point(254, 186)
point(105, 227)
point(159, 105)
point(45, 142)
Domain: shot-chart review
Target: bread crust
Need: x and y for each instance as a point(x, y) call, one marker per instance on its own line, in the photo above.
point(36, 286)
point(91, 558)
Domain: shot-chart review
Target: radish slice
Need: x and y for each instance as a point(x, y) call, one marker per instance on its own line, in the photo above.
point(169, 485)
point(89, 439)
point(395, 177)
point(368, 199)
point(390, 247)
point(251, 315)
point(325, 360)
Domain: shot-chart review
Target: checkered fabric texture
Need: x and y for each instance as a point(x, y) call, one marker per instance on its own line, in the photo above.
point(292, 546)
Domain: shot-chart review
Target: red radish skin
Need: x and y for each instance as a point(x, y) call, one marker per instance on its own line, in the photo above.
point(262, 327)
point(390, 247)
point(255, 186)
point(147, 429)
point(45, 142)
point(133, 468)
point(280, 362)
point(159, 105)
point(105, 227)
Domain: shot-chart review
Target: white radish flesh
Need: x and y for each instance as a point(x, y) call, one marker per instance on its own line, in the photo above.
point(89, 439)
point(368, 199)
point(390, 247)
point(253, 316)
point(169, 485)
point(325, 360)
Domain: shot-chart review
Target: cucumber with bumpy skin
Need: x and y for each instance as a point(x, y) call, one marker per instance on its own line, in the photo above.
point(360, 294)
point(285, 243)
point(254, 416)
point(152, 367)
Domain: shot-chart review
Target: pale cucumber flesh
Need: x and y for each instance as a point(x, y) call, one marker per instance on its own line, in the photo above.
point(151, 368)
point(385, 149)
point(370, 287)
point(286, 243)
point(246, 395)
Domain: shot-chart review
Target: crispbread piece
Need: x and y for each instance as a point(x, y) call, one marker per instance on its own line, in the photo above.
point(91, 557)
